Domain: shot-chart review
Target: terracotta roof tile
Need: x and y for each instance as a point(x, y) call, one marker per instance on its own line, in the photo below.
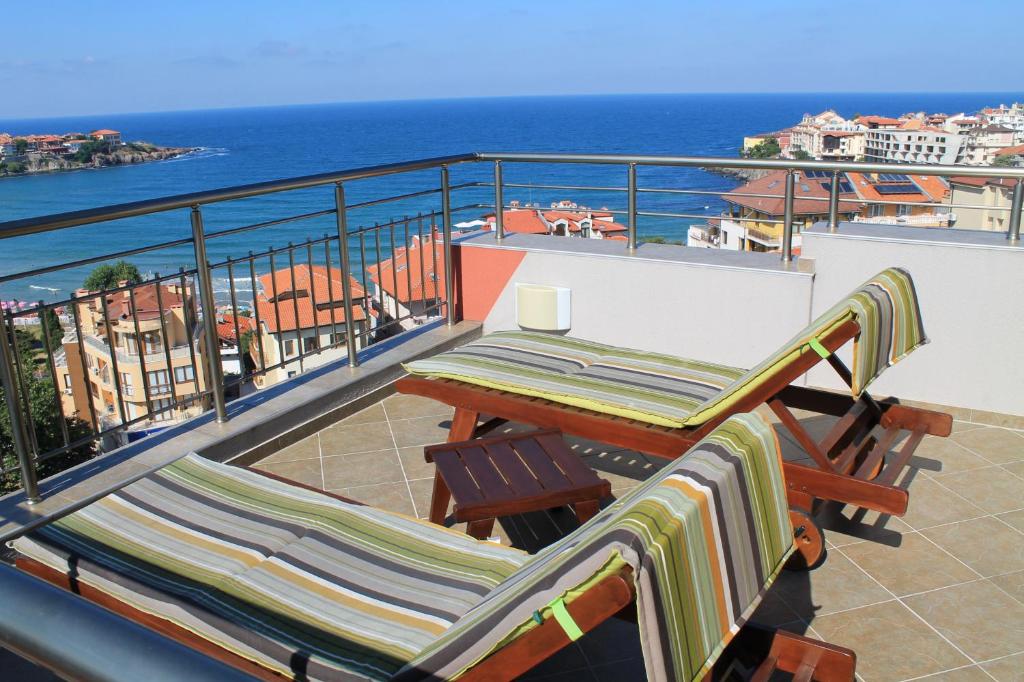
point(425, 283)
point(311, 282)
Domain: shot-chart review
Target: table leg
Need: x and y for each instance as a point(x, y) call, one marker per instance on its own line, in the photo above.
point(586, 510)
point(463, 425)
point(439, 500)
point(481, 530)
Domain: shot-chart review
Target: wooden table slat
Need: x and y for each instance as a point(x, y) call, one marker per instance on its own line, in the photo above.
point(549, 475)
point(461, 485)
point(491, 483)
point(520, 478)
point(575, 470)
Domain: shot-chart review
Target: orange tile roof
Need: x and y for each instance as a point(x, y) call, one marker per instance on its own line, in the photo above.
point(930, 189)
point(981, 182)
point(804, 203)
point(310, 282)
point(119, 304)
point(1018, 149)
point(877, 120)
point(226, 327)
point(520, 220)
point(104, 131)
point(425, 283)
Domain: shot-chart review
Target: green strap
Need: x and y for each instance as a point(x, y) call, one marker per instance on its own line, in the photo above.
point(818, 348)
point(561, 614)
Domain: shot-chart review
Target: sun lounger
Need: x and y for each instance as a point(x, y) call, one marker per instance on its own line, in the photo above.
point(283, 581)
point(660, 404)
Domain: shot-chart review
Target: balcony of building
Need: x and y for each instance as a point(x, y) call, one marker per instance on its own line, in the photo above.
point(936, 592)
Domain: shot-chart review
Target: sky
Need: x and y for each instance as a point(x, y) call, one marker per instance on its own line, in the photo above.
point(105, 56)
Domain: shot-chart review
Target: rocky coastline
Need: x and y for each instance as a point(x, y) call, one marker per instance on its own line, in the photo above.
point(122, 155)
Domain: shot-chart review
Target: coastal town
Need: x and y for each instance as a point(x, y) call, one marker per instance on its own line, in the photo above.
point(44, 153)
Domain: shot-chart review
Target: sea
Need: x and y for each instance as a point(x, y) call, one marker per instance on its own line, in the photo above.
point(240, 146)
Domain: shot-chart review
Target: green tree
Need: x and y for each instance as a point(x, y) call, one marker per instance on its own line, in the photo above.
point(12, 167)
point(1005, 161)
point(48, 425)
point(765, 149)
point(20, 145)
point(107, 276)
point(52, 328)
point(801, 155)
point(660, 240)
point(90, 149)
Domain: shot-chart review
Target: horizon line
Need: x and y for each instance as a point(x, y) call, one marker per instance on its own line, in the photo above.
point(1015, 93)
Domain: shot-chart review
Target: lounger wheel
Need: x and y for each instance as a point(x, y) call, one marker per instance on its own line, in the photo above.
point(809, 540)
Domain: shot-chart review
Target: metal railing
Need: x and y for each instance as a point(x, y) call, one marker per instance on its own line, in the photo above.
point(383, 277)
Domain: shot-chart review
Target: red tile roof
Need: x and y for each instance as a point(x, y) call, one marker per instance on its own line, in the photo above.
point(1018, 149)
point(804, 199)
point(104, 131)
point(310, 282)
point(878, 120)
point(425, 283)
point(119, 304)
point(520, 220)
point(930, 189)
point(226, 327)
point(981, 182)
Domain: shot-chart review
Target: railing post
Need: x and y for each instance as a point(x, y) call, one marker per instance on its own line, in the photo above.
point(446, 227)
point(833, 203)
point(341, 216)
point(1013, 233)
point(499, 203)
point(18, 433)
point(209, 308)
point(787, 219)
point(631, 208)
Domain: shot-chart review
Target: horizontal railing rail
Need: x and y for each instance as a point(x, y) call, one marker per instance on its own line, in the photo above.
point(273, 315)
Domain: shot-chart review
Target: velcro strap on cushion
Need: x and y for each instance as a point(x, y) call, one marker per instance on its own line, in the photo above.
point(818, 348)
point(561, 614)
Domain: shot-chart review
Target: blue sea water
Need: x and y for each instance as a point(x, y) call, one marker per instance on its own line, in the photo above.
point(248, 145)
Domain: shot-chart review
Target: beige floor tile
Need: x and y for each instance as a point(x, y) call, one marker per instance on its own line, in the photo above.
point(969, 673)
point(1015, 519)
point(986, 545)
point(979, 618)
point(422, 494)
point(364, 468)
point(847, 525)
point(989, 488)
point(306, 471)
point(995, 445)
point(1017, 469)
point(963, 427)
point(413, 463)
point(390, 496)
point(1012, 584)
point(1007, 669)
point(373, 413)
point(891, 642)
point(836, 585)
point(932, 504)
point(342, 440)
point(916, 565)
point(935, 456)
point(420, 431)
point(307, 448)
point(401, 406)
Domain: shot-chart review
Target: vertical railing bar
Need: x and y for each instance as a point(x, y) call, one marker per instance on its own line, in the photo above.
point(277, 312)
point(22, 382)
point(330, 290)
point(165, 341)
point(312, 295)
point(256, 313)
point(499, 203)
point(234, 316)
point(9, 340)
point(380, 273)
point(188, 307)
point(421, 246)
point(367, 298)
point(85, 366)
point(394, 274)
point(631, 226)
point(433, 257)
point(209, 307)
point(446, 217)
point(408, 266)
point(833, 203)
point(787, 220)
point(140, 345)
point(341, 220)
point(295, 308)
point(112, 346)
point(1016, 205)
point(52, 366)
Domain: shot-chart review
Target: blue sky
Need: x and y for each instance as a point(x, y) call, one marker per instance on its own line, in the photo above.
point(71, 57)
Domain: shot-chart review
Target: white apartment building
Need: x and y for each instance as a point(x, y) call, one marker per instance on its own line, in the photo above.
point(828, 136)
point(982, 145)
point(912, 145)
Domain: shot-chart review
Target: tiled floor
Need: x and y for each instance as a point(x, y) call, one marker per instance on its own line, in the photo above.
point(937, 594)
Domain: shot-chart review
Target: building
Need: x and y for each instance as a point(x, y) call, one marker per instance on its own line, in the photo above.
point(301, 312)
point(828, 136)
point(231, 329)
point(7, 149)
point(912, 144)
point(1011, 117)
point(1014, 155)
point(754, 223)
point(877, 122)
point(991, 195)
point(908, 198)
point(153, 350)
point(564, 219)
point(74, 144)
point(982, 144)
point(410, 284)
point(111, 136)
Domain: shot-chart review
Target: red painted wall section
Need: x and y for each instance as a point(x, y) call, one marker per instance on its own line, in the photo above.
point(480, 277)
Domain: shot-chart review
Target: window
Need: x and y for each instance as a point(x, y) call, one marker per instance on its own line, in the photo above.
point(162, 410)
point(184, 373)
point(126, 384)
point(158, 382)
point(310, 344)
point(876, 210)
point(337, 338)
point(903, 209)
point(289, 347)
point(67, 381)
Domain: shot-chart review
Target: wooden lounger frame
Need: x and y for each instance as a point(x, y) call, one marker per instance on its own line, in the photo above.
point(849, 462)
point(614, 596)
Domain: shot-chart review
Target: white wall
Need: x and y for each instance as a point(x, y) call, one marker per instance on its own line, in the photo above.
point(971, 290)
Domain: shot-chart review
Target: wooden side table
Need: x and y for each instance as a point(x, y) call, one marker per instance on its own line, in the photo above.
point(514, 474)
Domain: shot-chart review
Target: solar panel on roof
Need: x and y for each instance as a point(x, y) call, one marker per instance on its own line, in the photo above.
point(818, 174)
point(893, 177)
point(900, 188)
point(844, 186)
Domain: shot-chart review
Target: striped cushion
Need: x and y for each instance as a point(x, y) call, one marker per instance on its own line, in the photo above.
point(705, 537)
point(292, 579)
point(672, 391)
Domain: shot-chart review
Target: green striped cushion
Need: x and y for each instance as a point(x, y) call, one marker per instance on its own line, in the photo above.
point(673, 391)
point(293, 580)
point(705, 537)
